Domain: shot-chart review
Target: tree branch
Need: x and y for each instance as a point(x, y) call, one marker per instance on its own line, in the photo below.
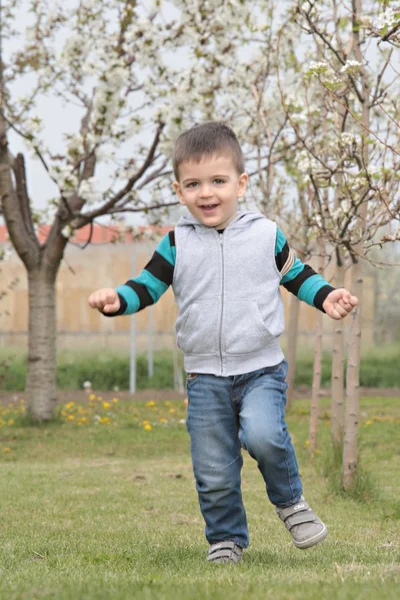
point(105, 209)
point(23, 197)
point(26, 249)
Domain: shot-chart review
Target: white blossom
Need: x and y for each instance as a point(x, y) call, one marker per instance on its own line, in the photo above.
point(388, 18)
point(66, 180)
point(351, 66)
point(87, 191)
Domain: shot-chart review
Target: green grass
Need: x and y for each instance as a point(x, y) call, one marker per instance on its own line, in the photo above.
point(378, 368)
point(109, 511)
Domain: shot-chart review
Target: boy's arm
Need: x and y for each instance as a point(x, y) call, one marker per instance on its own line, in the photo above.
point(148, 287)
point(309, 286)
point(298, 278)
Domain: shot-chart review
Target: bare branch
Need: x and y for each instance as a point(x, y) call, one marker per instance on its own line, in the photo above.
point(105, 209)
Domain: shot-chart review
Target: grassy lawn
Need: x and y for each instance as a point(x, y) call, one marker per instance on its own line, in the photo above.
point(102, 505)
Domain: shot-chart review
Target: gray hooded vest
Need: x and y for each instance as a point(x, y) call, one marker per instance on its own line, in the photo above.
point(230, 310)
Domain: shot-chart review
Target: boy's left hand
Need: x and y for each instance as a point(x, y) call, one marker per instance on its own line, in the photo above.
point(339, 303)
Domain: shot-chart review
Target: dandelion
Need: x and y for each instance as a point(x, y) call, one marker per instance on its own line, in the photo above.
point(307, 443)
point(148, 427)
point(6, 449)
point(106, 405)
point(368, 422)
point(11, 422)
point(151, 403)
point(71, 417)
point(100, 398)
point(171, 410)
point(167, 403)
point(115, 400)
point(105, 420)
point(146, 422)
point(92, 397)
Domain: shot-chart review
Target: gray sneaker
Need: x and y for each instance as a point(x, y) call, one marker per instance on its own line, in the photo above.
point(225, 552)
point(304, 525)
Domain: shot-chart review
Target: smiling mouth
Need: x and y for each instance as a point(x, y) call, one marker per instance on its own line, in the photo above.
point(209, 207)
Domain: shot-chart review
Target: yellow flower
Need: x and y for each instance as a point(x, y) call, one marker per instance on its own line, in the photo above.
point(70, 405)
point(148, 427)
point(106, 405)
point(115, 400)
point(146, 422)
point(171, 410)
point(71, 417)
point(92, 397)
point(163, 420)
point(105, 420)
point(83, 419)
point(6, 449)
point(151, 403)
point(100, 398)
point(307, 443)
point(368, 423)
point(11, 422)
point(167, 403)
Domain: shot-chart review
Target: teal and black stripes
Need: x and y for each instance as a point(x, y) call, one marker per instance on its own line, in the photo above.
point(301, 280)
point(148, 287)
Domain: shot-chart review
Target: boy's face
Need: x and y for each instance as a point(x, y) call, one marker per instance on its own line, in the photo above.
point(210, 189)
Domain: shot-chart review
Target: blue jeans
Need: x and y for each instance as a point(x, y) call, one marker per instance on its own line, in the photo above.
point(226, 414)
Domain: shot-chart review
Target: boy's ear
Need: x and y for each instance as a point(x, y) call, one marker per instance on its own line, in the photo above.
point(242, 184)
point(178, 191)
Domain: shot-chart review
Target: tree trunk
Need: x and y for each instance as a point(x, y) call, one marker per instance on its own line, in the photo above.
point(337, 382)
point(316, 384)
point(353, 365)
point(292, 345)
point(41, 373)
point(353, 386)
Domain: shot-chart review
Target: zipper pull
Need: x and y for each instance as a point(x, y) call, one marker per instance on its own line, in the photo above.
point(221, 238)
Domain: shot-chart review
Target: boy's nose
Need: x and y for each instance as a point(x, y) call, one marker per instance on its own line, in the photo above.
point(205, 192)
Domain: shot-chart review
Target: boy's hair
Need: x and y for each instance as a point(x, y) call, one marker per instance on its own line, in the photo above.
point(207, 139)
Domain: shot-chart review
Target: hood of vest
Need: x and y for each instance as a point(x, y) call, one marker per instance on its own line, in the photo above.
point(239, 222)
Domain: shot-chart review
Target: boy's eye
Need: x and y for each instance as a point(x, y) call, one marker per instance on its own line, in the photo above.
point(219, 180)
point(192, 184)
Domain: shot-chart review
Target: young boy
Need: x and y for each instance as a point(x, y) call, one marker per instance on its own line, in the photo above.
point(226, 267)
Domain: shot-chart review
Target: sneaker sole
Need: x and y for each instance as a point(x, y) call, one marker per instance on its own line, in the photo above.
point(316, 539)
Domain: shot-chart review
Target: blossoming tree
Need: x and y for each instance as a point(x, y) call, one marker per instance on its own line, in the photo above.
point(356, 160)
point(137, 75)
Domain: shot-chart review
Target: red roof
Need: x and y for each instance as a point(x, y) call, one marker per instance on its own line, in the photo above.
point(101, 233)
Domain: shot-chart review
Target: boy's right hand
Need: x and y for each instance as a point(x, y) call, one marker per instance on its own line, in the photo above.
point(106, 300)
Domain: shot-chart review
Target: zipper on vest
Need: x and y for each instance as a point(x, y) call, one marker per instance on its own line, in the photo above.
point(221, 240)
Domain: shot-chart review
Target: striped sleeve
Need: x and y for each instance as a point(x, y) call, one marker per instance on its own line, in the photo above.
point(148, 287)
point(298, 278)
